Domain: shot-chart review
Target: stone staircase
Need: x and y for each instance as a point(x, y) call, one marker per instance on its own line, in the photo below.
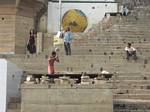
point(91, 51)
point(14, 105)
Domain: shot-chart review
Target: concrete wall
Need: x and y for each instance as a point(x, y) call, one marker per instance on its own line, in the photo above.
point(14, 75)
point(40, 98)
point(94, 11)
point(10, 81)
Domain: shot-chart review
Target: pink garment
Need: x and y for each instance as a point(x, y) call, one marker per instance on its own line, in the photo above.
point(51, 69)
point(51, 62)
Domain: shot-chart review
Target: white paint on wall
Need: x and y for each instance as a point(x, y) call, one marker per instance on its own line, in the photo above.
point(3, 80)
point(94, 11)
point(10, 83)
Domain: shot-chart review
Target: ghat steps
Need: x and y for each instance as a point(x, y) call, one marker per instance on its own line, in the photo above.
point(91, 51)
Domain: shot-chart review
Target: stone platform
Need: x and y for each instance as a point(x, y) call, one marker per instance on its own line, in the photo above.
point(66, 98)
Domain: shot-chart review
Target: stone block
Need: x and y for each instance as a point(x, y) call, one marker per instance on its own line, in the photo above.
point(39, 42)
point(66, 98)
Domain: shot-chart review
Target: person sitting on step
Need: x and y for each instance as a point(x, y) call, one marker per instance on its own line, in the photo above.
point(130, 51)
point(125, 11)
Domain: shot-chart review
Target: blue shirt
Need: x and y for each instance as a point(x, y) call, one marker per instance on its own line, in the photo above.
point(67, 37)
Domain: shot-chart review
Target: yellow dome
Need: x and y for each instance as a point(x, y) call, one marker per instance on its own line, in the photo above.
point(75, 19)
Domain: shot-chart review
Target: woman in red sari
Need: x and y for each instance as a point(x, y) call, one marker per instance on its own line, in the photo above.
point(51, 61)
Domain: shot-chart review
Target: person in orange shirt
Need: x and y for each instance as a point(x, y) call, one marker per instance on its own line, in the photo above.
point(51, 61)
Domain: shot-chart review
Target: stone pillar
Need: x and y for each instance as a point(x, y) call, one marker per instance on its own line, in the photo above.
point(43, 23)
point(39, 45)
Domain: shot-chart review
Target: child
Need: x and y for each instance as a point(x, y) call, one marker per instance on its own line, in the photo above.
point(51, 61)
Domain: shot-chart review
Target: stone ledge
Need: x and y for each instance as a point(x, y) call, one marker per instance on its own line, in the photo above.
point(74, 86)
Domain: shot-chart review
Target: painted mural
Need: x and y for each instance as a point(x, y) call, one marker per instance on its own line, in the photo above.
point(75, 19)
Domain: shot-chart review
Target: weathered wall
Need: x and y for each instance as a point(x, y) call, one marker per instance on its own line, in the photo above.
point(40, 98)
point(23, 26)
point(7, 27)
point(10, 81)
point(15, 24)
point(25, 20)
point(7, 33)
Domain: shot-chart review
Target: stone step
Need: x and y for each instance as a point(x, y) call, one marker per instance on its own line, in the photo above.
point(129, 110)
point(102, 59)
point(141, 43)
point(111, 35)
point(133, 78)
point(133, 74)
point(122, 33)
point(131, 26)
point(15, 99)
point(131, 91)
point(87, 64)
point(131, 82)
point(103, 56)
point(110, 40)
point(14, 106)
point(131, 101)
point(132, 96)
point(131, 105)
point(111, 61)
point(139, 86)
point(131, 32)
point(86, 67)
point(107, 46)
point(136, 22)
point(14, 110)
point(75, 67)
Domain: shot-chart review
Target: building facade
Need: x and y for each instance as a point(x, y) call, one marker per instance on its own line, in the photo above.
point(17, 17)
point(94, 10)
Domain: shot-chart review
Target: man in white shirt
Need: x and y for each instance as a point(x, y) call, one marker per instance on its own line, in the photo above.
point(131, 52)
point(125, 11)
